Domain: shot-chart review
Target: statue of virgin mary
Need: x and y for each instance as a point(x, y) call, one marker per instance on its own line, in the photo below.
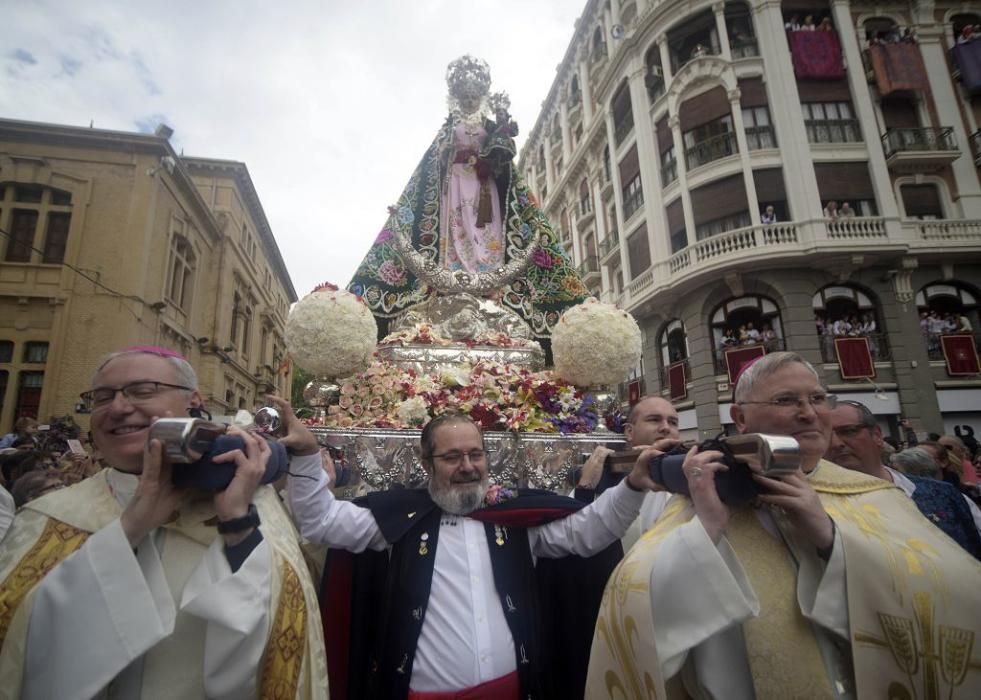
point(466, 223)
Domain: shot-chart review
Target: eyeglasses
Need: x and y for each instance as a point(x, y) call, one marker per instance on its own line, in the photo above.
point(819, 402)
point(455, 459)
point(135, 393)
point(849, 431)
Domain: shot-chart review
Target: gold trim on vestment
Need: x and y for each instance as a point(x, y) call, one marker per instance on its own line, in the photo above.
point(287, 641)
point(56, 542)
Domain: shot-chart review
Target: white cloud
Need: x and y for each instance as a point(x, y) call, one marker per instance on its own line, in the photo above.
point(330, 104)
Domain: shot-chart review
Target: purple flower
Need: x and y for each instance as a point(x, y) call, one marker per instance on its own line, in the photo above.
point(383, 236)
point(541, 258)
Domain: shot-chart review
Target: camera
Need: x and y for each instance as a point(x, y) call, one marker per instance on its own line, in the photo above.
point(191, 444)
point(771, 455)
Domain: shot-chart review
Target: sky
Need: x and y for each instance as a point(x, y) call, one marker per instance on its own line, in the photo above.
point(330, 104)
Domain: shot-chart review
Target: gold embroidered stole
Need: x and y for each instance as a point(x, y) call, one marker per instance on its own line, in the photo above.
point(783, 652)
point(56, 542)
point(914, 596)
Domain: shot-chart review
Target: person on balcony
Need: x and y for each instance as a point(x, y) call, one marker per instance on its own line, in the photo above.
point(808, 24)
point(793, 25)
point(846, 211)
point(769, 338)
point(728, 339)
point(831, 210)
point(752, 335)
point(964, 324)
point(769, 215)
point(826, 25)
point(869, 330)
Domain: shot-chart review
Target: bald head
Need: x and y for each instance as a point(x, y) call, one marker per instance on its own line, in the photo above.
point(652, 418)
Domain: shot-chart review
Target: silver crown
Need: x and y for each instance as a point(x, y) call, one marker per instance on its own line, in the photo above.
point(468, 76)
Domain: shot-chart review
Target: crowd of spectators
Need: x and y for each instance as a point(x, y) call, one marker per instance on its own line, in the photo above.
point(36, 459)
point(794, 24)
point(968, 33)
point(934, 324)
point(949, 458)
point(748, 334)
point(847, 326)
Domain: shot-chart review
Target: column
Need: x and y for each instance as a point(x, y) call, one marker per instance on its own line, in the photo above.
point(564, 124)
point(650, 177)
point(786, 114)
point(864, 108)
point(617, 197)
point(948, 111)
point(752, 199)
point(720, 27)
point(682, 166)
point(587, 95)
point(662, 45)
point(549, 165)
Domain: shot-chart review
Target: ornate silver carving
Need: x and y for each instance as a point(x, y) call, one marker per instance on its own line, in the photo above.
point(430, 358)
point(460, 281)
point(384, 458)
point(462, 317)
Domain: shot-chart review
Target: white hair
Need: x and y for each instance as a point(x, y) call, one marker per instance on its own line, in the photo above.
point(764, 367)
point(185, 374)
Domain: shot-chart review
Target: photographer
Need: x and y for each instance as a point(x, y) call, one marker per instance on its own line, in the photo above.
point(145, 597)
point(752, 602)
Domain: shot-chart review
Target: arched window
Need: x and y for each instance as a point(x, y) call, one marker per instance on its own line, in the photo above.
point(574, 94)
point(749, 320)
point(654, 78)
point(946, 308)
point(845, 312)
point(673, 343)
point(960, 22)
point(599, 45)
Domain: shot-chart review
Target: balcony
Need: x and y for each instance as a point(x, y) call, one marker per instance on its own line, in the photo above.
point(920, 149)
point(935, 349)
point(760, 137)
point(833, 130)
point(589, 268)
point(878, 347)
point(722, 369)
point(976, 147)
point(609, 244)
point(745, 48)
point(714, 148)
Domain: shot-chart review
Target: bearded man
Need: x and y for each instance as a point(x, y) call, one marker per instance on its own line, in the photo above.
point(455, 596)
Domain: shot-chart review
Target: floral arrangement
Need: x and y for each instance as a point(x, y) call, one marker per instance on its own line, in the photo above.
point(331, 332)
point(495, 395)
point(425, 334)
point(595, 344)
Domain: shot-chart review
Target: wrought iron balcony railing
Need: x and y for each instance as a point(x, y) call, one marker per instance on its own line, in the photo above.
point(710, 149)
point(609, 244)
point(919, 139)
point(759, 137)
point(833, 130)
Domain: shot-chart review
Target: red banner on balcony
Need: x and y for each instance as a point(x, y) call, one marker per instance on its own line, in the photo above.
point(677, 381)
point(898, 67)
point(961, 354)
point(633, 392)
point(854, 358)
point(816, 55)
point(737, 358)
point(968, 59)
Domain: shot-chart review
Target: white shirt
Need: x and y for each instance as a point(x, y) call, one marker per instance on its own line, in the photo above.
point(465, 640)
point(908, 487)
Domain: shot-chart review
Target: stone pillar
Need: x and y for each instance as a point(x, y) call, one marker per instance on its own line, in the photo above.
point(549, 165)
point(617, 195)
point(662, 45)
point(720, 27)
point(586, 89)
point(566, 134)
point(865, 110)
point(682, 167)
point(949, 112)
point(750, 184)
point(786, 113)
point(647, 157)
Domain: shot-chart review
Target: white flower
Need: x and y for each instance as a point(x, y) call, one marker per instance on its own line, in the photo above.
point(331, 333)
point(455, 376)
point(413, 411)
point(595, 343)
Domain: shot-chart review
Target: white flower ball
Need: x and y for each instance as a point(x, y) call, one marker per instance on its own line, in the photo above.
point(595, 344)
point(331, 333)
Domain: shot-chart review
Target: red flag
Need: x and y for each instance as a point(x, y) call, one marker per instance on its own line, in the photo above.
point(677, 381)
point(736, 358)
point(816, 55)
point(854, 358)
point(961, 354)
point(633, 391)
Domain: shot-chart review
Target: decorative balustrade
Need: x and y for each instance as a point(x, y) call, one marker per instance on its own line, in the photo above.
point(949, 230)
point(759, 137)
point(833, 130)
point(857, 228)
point(641, 282)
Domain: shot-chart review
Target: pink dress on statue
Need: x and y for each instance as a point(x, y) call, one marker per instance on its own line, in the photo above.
point(464, 244)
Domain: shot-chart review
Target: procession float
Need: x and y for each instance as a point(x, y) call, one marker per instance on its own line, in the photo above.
point(465, 302)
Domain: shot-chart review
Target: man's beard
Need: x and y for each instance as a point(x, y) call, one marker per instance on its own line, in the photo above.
point(459, 498)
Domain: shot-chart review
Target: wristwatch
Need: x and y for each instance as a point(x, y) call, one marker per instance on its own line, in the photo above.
point(249, 520)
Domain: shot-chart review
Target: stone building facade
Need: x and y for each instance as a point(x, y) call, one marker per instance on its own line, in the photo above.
point(670, 129)
point(113, 239)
